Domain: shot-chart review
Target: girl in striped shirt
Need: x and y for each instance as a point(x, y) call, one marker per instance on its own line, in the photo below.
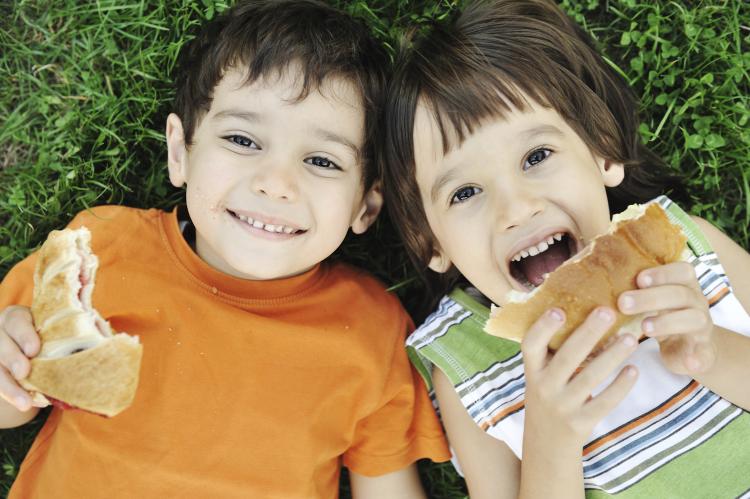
point(509, 143)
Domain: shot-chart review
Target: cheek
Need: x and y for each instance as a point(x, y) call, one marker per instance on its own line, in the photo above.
point(208, 187)
point(201, 199)
point(334, 200)
point(592, 211)
point(464, 239)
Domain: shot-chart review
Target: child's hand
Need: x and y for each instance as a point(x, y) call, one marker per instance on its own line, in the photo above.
point(560, 410)
point(681, 322)
point(18, 342)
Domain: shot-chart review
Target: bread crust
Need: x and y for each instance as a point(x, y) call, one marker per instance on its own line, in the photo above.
point(610, 267)
point(102, 379)
point(81, 362)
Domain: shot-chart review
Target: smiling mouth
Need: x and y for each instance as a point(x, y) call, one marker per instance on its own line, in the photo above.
point(530, 266)
point(270, 228)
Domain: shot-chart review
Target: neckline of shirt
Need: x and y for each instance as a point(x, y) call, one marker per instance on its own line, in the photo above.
point(228, 287)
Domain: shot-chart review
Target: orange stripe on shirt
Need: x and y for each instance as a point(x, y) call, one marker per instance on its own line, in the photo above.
point(692, 387)
point(718, 296)
point(515, 407)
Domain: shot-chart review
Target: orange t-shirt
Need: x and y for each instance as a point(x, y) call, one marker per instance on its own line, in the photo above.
point(247, 388)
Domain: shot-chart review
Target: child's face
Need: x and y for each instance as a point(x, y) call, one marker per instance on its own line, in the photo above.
point(510, 189)
point(273, 185)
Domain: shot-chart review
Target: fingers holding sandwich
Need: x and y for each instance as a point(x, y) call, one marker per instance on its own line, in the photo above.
point(16, 322)
point(535, 345)
point(678, 316)
point(18, 342)
point(559, 388)
point(580, 345)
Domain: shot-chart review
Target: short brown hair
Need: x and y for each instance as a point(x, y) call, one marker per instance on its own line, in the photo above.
point(266, 36)
point(475, 66)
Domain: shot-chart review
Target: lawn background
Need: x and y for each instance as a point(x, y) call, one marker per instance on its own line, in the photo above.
point(85, 89)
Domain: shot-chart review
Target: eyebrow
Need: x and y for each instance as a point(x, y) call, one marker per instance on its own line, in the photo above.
point(330, 136)
point(532, 133)
point(441, 181)
point(236, 113)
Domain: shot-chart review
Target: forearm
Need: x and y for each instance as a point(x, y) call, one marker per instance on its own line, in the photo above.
point(731, 371)
point(401, 484)
point(550, 471)
point(10, 417)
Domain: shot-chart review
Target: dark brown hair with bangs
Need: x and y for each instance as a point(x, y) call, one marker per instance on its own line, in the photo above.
point(478, 64)
point(266, 36)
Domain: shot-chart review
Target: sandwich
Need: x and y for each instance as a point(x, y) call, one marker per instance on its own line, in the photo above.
point(82, 363)
point(639, 238)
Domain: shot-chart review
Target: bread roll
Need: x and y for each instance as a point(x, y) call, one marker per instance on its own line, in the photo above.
point(642, 237)
point(81, 362)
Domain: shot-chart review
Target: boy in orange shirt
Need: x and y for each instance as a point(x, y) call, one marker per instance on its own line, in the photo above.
point(265, 367)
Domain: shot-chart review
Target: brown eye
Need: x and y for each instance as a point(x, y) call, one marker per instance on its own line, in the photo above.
point(464, 193)
point(322, 162)
point(536, 157)
point(242, 141)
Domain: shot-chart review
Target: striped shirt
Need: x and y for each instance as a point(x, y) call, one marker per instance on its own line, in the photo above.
point(670, 437)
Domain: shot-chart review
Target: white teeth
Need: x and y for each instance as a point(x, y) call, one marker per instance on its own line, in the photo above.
point(538, 248)
point(277, 229)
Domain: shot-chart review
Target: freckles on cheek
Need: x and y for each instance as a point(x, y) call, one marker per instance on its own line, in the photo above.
point(202, 201)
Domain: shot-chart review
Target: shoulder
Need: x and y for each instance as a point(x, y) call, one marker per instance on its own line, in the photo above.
point(722, 244)
point(116, 220)
point(362, 301)
point(715, 236)
point(458, 314)
point(445, 320)
point(704, 239)
point(705, 226)
point(110, 215)
point(108, 223)
point(452, 339)
point(421, 343)
point(116, 229)
point(734, 259)
point(363, 288)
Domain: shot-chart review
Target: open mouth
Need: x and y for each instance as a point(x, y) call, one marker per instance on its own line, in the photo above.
point(530, 266)
point(267, 227)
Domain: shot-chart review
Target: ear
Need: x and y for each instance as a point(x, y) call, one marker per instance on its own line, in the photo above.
point(612, 173)
point(439, 262)
point(176, 151)
point(372, 203)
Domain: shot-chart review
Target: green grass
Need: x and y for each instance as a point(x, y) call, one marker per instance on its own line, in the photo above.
point(85, 89)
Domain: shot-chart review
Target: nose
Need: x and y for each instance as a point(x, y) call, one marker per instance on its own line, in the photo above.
point(275, 179)
point(517, 206)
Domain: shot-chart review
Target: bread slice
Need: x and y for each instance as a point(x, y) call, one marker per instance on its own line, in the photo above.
point(82, 363)
point(641, 237)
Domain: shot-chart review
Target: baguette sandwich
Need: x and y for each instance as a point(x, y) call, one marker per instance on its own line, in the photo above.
point(639, 238)
point(82, 363)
